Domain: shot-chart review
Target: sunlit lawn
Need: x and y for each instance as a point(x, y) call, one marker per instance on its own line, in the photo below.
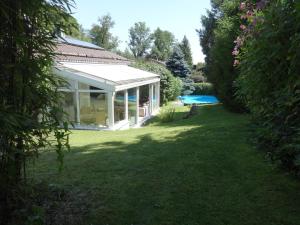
point(196, 171)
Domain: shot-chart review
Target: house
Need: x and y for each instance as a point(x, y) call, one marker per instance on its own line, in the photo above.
point(102, 91)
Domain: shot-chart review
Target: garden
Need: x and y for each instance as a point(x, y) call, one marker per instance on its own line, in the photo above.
point(233, 162)
point(200, 170)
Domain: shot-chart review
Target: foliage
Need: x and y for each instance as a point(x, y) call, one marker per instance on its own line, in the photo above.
point(101, 34)
point(203, 89)
point(167, 114)
point(186, 50)
point(162, 45)
point(140, 39)
point(170, 86)
point(179, 68)
point(198, 73)
point(81, 34)
point(29, 100)
point(73, 28)
point(126, 53)
point(220, 29)
point(269, 83)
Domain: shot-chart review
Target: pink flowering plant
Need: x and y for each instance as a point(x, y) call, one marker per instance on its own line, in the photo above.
point(267, 51)
point(251, 16)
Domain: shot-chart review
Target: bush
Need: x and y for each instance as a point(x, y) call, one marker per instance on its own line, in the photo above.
point(170, 86)
point(269, 83)
point(167, 114)
point(203, 89)
point(198, 73)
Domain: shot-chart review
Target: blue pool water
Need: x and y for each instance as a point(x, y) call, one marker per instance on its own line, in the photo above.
point(198, 99)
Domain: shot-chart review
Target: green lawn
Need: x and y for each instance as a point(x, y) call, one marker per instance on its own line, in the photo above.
point(197, 171)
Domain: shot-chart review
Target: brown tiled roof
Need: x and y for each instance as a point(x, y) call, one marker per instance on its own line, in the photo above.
point(66, 52)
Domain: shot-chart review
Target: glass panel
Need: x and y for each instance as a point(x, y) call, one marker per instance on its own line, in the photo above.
point(68, 84)
point(69, 106)
point(155, 97)
point(93, 108)
point(82, 86)
point(144, 95)
point(144, 108)
point(119, 106)
point(132, 106)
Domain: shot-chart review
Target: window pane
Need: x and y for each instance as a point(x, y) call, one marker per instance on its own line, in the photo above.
point(119, 106)
point(155, 97)
point(144, 95)
point(144, 109)
point(69, 106)
point(132, 106)
point(82, 86)
point(93, 109)
point(68, 84)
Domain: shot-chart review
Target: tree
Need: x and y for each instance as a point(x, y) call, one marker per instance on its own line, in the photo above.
point(101, 35)
point(197, 73)
point(29, 99)
point(140, 39)
point(220, 29)
point(126, 54)
point(80, 34)
point(179, 68)
point(162, 46)
point(186, 50)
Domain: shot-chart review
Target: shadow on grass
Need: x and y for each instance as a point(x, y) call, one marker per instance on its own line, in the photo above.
point(195, 171)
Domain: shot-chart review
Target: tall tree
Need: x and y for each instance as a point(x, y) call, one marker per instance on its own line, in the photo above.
point(220, 29)
point(140, 39)
point(82, 34)
point(101, 35)
point(179, 68)
point(29, 100)
point(162, 46)
point(74, 29)
point(186, 50)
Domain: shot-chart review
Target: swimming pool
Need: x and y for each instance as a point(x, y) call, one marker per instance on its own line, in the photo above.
point(198, 99)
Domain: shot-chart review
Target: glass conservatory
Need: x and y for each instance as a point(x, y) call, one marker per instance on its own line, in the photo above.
point(107, 96)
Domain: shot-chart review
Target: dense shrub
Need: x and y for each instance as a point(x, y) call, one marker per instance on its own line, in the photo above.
point(269, 82)
point(203, 89)
point(220, 29)
point(170, 86)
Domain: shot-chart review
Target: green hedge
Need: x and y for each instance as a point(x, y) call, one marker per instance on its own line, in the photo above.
point(269, 83)
point(203, 89)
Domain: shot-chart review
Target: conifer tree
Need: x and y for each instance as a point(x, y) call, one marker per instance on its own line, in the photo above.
point(186, 50)
point(178, 66)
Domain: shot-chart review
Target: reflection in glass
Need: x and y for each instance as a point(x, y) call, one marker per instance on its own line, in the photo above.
point(93, 108)
point(69, 106)
point(132, 106)
point(155, 97)
point(119, 106)
point(82, 86)
point(68, 84)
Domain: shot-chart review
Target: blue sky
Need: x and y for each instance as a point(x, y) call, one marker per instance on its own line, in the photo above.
point(181, 17)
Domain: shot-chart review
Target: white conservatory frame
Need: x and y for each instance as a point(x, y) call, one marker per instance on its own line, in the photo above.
point(111, 79)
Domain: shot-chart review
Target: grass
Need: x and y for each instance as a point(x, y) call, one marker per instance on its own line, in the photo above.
point(194, 171)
